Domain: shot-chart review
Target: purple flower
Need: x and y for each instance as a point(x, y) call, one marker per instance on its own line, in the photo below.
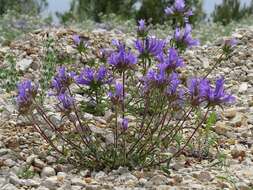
point(66, 102)
point(231, 42)
point(183, 38)
point(160, 79)
point(178, 8)
point(104, 53)
point(169, 10)
point(171, 61)
point(229, 45)
point(142, 29)
point(26, 93)
point(200, 91)
point(173, 83)
point(80, 43)
point(178, 98)
point(217, 95)
point(197, 89)
point(118, 44)
point(150, 45)
point(179, 5)
point(142, 25)
point(117, 96)
point(188, 13)
point(174, 92)
point(93, 78)
point(155, 79)
point(124, 124)
point(122, 59)
point(77, 40)
point(62, 80)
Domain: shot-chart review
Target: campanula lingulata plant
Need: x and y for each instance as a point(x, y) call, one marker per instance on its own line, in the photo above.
point(149, 109)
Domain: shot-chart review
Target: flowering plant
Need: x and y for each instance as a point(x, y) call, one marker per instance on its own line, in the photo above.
point(150, 104)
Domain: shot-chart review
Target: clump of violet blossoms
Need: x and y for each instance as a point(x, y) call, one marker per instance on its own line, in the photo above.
point(183, 38)
point(133, 105)
point(80, 43)
point(179, 12)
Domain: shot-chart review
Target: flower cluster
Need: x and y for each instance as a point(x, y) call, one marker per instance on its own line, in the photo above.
point(66, 102)
point(197, 88)
point(124, 124)
point(117, 96)
point(27, 91)
point(228, 46)
point(93, 78)
point(183, 38)
point(218, 96)
point(150, 46)
point(142, 29)
point(201, 91)
point(161, 80)
point(80, 43)
point(60, 85)
point(62, 80)
point(122, 59)
point(171, 61)
point(179, 10)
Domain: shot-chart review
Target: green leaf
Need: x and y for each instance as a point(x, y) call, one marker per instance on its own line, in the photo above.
point(211, 120)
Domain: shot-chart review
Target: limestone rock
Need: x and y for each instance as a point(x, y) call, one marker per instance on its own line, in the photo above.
point(24, 64)
point(47, 172)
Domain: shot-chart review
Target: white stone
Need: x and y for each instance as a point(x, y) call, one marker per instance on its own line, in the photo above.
point(3, 151)
point(159, 180)
point(47, 172)
point(39, 163)
point(30, 159)
point(24, 64)
point(126, 177)
point(78, 181)
point(243, 87)
point(100, 175)
point(50, 183)
point(8, 187)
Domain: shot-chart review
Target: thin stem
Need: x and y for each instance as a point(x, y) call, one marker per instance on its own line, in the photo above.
point(98, 101)
point(144, 132)
point(214, 66)
point(123, 102)
point(177, 126)
point(115, 134)
point(141, 149)
point(48, 140)
point(116, 128)
point(189, 139)
point(194, 132)
point(144, 115)
point(53, 127)
point(123, 116)
point(50, 123)
point(144, 61)
point(41, 132)
point(78, 131)
point(154, 145)
point(79, 120)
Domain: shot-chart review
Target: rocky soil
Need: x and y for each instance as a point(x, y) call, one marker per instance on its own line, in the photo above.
point(26, 164)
